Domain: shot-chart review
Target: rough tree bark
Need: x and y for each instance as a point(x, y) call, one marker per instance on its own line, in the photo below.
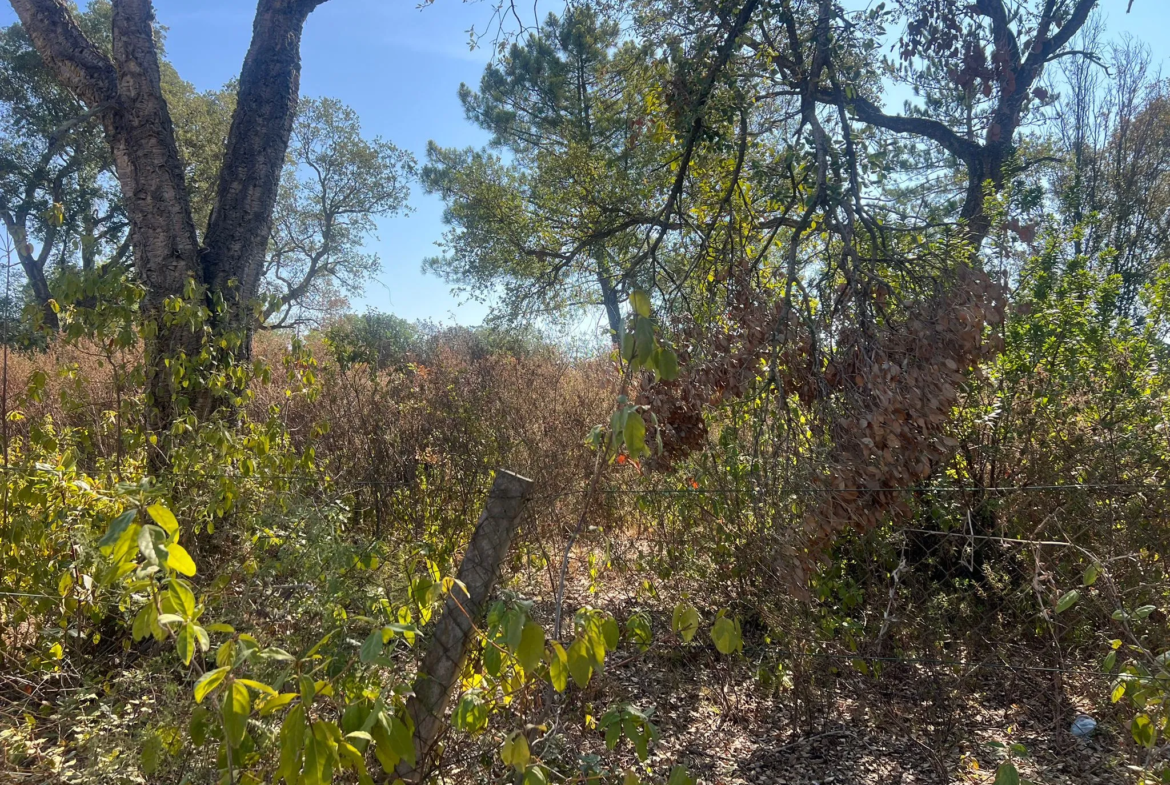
point(241, 220)
point(126, 94)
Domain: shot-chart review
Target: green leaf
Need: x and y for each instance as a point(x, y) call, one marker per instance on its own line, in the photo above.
point(680, 776)
point(638, 630)
point(667, 365)
point(183, 598)
point(1007, 774)
point(372, 647)
point(146, 618)
point(117, 527)
point(383, 750)
point(1091, 574)
point(179, 560)
point(1143, 730)
point(1068, 600)
point(531, 648)
point(273, 653)
point(536, 775)
point(402, 738)
point(208, 682)
point(292, 741)
point(1144, 611)
point(152, 544)
point(644, 343)
point(492, 659)
point(276, 702)
point(259, 686)
point(237, 705)
point(727, 635)
point(610, 632)
point(164, 518)
point(1109, 661)
point(634, 434)
point(201, 637)
point(151, 748)
point(185, 643)
point(471, 714)
point(308, 690)
point(640, 302)
point(580, 663)
point(515, 752)
point(685, 621)
point(558, 666)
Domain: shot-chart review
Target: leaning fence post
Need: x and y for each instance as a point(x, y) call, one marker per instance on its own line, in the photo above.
point(478, 571)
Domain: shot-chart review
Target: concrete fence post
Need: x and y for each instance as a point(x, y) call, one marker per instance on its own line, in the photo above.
point(453, 635)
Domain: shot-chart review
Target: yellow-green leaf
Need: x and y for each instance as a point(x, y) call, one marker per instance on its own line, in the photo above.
point(515, 751)
point(208, 682)
point(685, 621)
point(580, 663)
point(640, 302)
point(164, 518)
point(179, 560)
point(558, 666)
point(531, 647)
point(237, 705)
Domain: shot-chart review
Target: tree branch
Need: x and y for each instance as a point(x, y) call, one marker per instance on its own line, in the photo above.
point(74, 60)
point(867, 112)
point(241, 221)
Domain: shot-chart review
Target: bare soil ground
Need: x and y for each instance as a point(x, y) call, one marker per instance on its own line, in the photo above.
point(826, 723)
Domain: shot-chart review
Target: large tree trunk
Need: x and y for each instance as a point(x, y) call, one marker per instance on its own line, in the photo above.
point(170, 263)
point(241, 220)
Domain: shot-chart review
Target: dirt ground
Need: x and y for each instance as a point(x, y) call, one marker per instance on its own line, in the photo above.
point(822, 722)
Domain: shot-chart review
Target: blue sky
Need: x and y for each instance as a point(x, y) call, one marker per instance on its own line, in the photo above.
point(400, 66)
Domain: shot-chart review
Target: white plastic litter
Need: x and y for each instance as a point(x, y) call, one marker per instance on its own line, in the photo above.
point(1083, 726)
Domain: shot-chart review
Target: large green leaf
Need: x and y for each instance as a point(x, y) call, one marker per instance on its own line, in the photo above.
point(117, 527)
point(531, 648)
point(558, 666)
point(372, 647)
point(179, 560)
point(1067, 601)
point(292, 741)
point(208, 682)
point(727, 635)
point(1007, 774)
point(640, 302)
point(1143, 731)
point(685, 621)
point(634, 434)
point(515, 751)
point(580, 663)
point(237, 705)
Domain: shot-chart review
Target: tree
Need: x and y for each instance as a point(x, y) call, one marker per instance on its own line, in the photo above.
point(124, 90)
point(1113, 179)
point(334, 186)
point(557, 223)
point(57, 192)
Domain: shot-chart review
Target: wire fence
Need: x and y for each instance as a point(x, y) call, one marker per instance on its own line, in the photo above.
point(897, 593)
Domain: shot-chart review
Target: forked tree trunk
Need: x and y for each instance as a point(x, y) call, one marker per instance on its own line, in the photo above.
point(126, 93)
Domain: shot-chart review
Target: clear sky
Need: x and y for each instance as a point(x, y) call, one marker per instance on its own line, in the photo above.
point(400, 66)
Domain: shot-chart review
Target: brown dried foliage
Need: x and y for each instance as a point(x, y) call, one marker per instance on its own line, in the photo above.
point(880, 400)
